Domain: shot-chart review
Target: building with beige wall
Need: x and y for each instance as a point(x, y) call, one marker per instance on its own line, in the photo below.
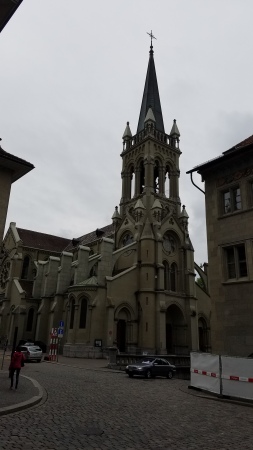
point(11, 169)
point(229, 219)
point(132, 283)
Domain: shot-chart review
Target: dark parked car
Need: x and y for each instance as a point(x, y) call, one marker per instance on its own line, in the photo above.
point(151, 367)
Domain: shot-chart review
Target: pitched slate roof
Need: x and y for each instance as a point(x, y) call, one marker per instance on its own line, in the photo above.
point(236, 151)
point(86, 239)
point(42, 241)
point(151, 97)
point(244, 143)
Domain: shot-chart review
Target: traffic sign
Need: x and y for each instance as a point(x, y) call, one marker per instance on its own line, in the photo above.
point(61, 324)
point(60, 333)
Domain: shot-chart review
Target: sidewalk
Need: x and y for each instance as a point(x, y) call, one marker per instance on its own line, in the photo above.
point(85, 363)
point(29, 393)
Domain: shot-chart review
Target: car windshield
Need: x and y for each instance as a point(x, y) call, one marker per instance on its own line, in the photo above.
point(34, 349)
point(147, 360)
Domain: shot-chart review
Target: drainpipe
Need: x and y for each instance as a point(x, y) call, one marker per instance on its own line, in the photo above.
point(196, 185)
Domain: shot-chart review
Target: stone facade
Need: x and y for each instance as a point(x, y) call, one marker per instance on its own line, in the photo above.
point(229, 218)
point(131, 284)
point(11, 169)
point(18, 308)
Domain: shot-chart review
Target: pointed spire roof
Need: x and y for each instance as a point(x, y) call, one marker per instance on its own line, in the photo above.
point(127, 132)
point(174, 129)
point(149, 116)
point(139, 205)
point(151, 96)
point(184, 213)
point(157, 204)
point(116, 214)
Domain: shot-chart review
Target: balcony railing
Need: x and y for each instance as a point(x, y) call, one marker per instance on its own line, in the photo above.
point(150, 130)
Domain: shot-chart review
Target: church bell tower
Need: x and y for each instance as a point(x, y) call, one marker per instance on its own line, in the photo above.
point(151, 215)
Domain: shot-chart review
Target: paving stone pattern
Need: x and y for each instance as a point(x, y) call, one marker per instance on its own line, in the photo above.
point(94, 409)
point(8, 397)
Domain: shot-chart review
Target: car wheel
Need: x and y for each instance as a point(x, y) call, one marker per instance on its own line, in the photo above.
point(38, 360)
point(148, 374)
point(130, 375)
point(169, 374)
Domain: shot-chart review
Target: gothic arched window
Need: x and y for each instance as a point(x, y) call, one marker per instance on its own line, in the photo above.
point(127, 239)
point(25, 268)
point(167, 181)
point(157, 177)
point(83, 313)
point(94, 270)
point(72, 314)
point(30, 316)
point(132, 181)
point(169, 244)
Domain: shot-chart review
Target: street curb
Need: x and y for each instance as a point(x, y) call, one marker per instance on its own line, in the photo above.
point(26, 404)
point(202, 394)
point(102, 369)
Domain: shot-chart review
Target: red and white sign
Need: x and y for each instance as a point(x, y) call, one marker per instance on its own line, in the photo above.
point(53, 347)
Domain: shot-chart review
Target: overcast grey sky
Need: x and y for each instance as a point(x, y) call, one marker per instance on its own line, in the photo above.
point(73, 73)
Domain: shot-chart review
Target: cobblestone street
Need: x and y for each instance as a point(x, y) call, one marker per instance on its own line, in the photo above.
point(95, 409)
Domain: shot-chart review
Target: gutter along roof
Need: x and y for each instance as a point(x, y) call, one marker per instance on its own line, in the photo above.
point(234, 152)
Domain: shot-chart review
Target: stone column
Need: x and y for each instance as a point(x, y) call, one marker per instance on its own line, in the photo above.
point(64, 272)
point(81, 268)
point(110, 326)
point(149, 171)
point(137, 182)
point(162, 180)
point(161, 328)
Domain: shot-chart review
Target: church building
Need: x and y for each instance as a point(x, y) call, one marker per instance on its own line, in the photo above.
point(132, 283)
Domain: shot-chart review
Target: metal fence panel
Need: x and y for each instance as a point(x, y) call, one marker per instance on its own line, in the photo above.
point(237, 377)
point(205, 372)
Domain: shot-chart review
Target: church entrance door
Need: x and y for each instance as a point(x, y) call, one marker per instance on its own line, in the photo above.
point(121, 335)
point(203, 337)
point(169, 340)
point(175, 331)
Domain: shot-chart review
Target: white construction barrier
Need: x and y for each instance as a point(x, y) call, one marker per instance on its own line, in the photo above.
point(237, 377)
point(224, 375)
point(205, 372)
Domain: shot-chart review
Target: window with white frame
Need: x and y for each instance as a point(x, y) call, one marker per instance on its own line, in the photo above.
point(236, 263)
point(231, 200)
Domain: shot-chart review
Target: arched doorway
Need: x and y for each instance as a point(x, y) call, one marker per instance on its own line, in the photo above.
point(121, 335)
point(203, 335)
point(175, 331)
point(122, 318)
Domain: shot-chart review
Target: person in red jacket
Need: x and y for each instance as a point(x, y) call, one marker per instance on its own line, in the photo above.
point(17, 361)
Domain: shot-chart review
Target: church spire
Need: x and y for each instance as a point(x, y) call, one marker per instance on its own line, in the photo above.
point(151, 97)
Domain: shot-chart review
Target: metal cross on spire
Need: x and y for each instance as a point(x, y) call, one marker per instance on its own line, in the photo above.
point(152, 37)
